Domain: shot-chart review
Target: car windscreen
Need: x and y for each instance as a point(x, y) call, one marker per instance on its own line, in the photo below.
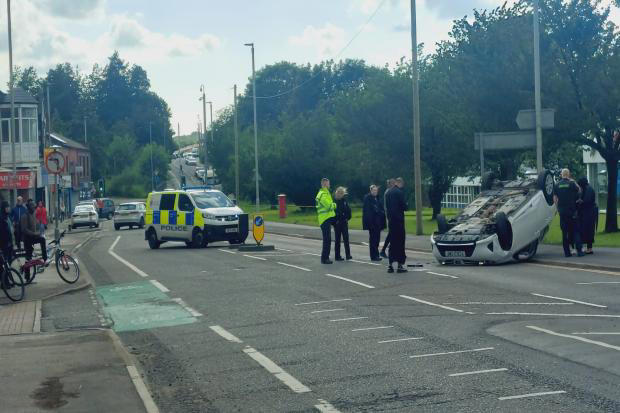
point(211, 200)
point(127, 207)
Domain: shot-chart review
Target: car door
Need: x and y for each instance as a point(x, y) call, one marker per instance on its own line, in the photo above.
point(185, 208)
point(166, 207)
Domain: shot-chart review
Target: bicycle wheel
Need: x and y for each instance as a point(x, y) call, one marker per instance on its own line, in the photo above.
point(18, 265)
point(13, 285)
point(67, 268)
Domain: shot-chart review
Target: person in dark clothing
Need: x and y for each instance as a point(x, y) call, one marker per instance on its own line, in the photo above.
point(373, 221)
point(396, 206)
point(16, 214)
point(30, 232)
point(566, 194)
point(341, 222)
point(7, 235)
point(390, 183)
point(587, 213)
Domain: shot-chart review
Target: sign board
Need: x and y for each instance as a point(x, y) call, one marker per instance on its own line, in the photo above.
point(505, 140)
point(526, 119)
point(258, 228)
point(23, 180)
point(54, 162)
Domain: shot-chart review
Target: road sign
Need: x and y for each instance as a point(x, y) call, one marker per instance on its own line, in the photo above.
point(505, 140)
point(55, 162)
point(526, 119)
point(258, 229)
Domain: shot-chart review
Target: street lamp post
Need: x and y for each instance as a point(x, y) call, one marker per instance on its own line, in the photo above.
point(236, 148)
point(211, 121)
point(416, 122)
point(85, 133)
point(255, 128)
point(204, 124)
point(11, 92)
point(537, 103)
point(151, 145)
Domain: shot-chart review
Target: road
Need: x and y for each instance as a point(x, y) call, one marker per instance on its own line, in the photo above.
point(219, 330)
point(179, 168)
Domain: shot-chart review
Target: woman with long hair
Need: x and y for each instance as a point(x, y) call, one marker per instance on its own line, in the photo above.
point(341, 223)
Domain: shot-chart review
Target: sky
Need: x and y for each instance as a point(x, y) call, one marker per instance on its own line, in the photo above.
point(184, 44)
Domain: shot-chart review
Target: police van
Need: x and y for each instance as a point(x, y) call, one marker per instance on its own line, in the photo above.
point(196, 216)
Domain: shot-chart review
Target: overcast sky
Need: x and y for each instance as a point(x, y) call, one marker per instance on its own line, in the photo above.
point(183, 44)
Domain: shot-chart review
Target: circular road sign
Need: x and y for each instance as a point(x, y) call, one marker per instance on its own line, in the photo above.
point(55, 162)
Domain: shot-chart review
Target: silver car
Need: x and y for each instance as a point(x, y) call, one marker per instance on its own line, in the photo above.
point(84, 216)
point(129, 214)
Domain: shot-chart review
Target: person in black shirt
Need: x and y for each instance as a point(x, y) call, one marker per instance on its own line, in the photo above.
point(587, 212)
point(373, 220)
point(390, 183)
point(566, 195)
point(341, 223)
point(396, 207)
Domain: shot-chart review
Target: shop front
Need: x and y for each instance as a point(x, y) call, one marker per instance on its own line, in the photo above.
point(24, 181)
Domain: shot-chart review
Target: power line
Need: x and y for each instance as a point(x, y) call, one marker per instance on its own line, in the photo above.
point(374, 13)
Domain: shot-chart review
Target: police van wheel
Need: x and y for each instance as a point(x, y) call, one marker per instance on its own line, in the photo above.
point(198, 239)
point(152, 238)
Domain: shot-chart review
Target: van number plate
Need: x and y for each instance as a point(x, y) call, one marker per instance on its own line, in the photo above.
point(455, 254)
point(228, 230)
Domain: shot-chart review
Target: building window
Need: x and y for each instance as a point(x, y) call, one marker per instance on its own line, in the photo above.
point(29, 124)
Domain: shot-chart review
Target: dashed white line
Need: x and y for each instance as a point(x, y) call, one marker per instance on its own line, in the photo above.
point(583, 339)
point(187, 308)
point(522, 396)
point(372, 328)
point(327, 311)
point(295, 266)
point(429, 303)
point(441, 275)
point(483, 303)
point(399, 339)
point(468, 373)
point(556, 315)
point(124, 261)
point(570, 300)
point(597, 334)
point(325, 407)
point(348, 319)
point(276, 370)
point(327, 301)
point(349, 280)
point(256, 258)
point(600, 282)
point(225, 334)
point(451, 352)
point(283, 249)
point(160, 286)
point(225, 250)
point(364, 262)
point(577, 269)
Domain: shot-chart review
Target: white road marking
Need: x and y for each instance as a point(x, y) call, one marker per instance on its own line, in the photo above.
point(451, 352)
point(570, 300)
point(600, 282)
point(124, 261)
point(483, 303)
point(283, 249)
point(295, 266)
point(583, 339)
point(328, 301)
point(348, 319)
point(577, 269)
point(365, 243)
point(225, 334)
point(364, 262)
point(312, 253)
point(297, 235)
point(372, 328)
point(160, 286)
point(189, 309)
point(522, 396)
point(468, 373)
point(441, 275)
point(276, 370)
point(326, 311)
point(351, 281)
point(399, 339)
point(597, 334)
point(256, 258)
point(325, 407)
point(556, 315)
point(225, 250)
point(142, 390)
point(429, 303)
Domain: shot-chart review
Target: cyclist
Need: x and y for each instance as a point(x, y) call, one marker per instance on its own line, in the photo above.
point(31, 235)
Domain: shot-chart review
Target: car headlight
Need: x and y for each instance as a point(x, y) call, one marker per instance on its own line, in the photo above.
point(209, 216)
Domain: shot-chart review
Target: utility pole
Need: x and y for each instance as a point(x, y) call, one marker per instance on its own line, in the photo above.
point(211, 121)
point(151, 145)
point(204, 125)
point(12, 93)
point(85, 133)
point(236, 148)
point(178, 129)
point(417, 169)
point(537, 103)
point(49, 112)
point(255, 128)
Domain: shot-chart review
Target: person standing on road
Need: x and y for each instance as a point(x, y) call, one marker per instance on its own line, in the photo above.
point(31, 234)
point(587, 212)
point(390, 183)
point(41, 216)
point(341, 223)
point(396, 207)
point(326, 211)
point(18, 212)
point(7, 236)
point(373, 221)
point(566, 194)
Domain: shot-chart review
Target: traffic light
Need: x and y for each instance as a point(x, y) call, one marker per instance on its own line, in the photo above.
point(102, 186)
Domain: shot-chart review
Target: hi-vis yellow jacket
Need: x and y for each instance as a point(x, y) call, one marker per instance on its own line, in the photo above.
point(325, 206)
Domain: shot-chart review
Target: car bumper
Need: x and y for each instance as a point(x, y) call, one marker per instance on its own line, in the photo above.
point(127, 220)
point(222, 232)
point(82, 222)
point(486, 250)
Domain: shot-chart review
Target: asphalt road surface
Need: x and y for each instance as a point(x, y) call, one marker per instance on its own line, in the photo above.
point(216, 329)
point(179, 168)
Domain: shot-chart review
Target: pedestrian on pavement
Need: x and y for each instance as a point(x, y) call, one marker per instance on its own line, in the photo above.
point(41, 216)
point(31, 235)
point(7, 236)
point(373, 221)
point(566, 194)
point(18, 212)
point(396, 207)
point(587, 212)
point(341, 222)
point(326, 211)
point(389, 184)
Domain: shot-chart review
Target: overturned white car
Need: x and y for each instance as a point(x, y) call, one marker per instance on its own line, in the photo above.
point(505, 223)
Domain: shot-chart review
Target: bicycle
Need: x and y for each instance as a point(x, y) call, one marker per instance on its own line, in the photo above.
point(66, 266)
point(11, 281)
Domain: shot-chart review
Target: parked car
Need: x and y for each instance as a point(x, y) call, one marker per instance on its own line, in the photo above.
point(84, 216)
point(106, 208)
point(504, 223)
point(129, 214)
point(190, 160)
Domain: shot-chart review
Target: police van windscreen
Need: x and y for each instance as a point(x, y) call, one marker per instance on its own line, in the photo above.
point(212, 200)
point(127, 207)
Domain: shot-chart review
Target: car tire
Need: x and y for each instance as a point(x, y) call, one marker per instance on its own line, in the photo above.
point(198, 239)
point(141, 226)
point(152, 239)
point(487, 180)
point(546, 185)
point(116, 227)
point(527, 253)
point(442, 224)
point(504, 231)
point(97, 225)
point(110, 216)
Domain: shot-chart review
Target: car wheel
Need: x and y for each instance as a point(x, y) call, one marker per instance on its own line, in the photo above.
point(198, 239)
point(546, 185)
point(152, 238)
point(97, 225)
point(527, 253)
point(442, 224)
point(504, 231)
point(141, 223)
point(487, 180)
point(116, 227)
point(109, 216)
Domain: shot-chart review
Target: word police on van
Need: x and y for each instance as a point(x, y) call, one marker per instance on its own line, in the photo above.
point(196, 216)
